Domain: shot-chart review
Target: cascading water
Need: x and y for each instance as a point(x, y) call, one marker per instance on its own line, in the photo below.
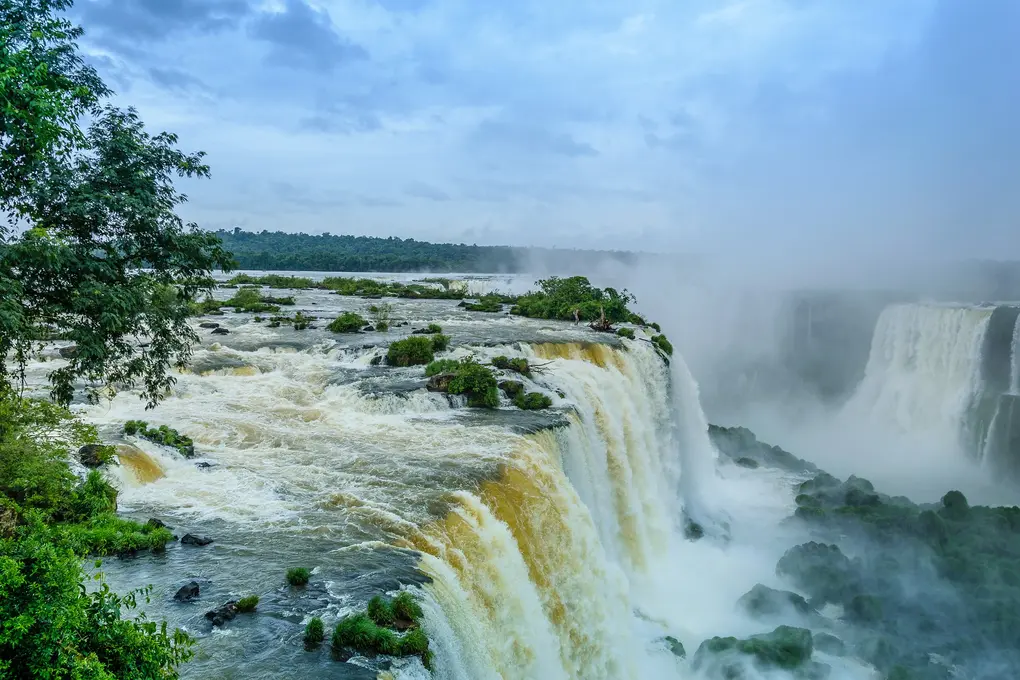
point(1014, 360)
point(924, 371)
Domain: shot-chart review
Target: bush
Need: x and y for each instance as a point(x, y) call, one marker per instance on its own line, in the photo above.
point(298, 576)
point(380, 611)
point(440, 343)
point(248, 299)
point(440, 366)
point(663, 344)
point(532, 401)
point(348, 322)
point(315, 632)
point(247, 605)
point(487, 303)
point(382, 326)
point(360, 633)
point(163, 435)
point(511, 388)
point(476, 382)
point(433, 329)
point(626, 333)
point(558, 298)
point(414, 351)
point(518, 365)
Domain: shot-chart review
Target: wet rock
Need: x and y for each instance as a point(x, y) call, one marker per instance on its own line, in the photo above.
point(511, 388)
point(440, 383)
point(220, 331)
point(764, 601)
point(94, 455)
point(156, 523)
point(202, 465)
point(368, 329)
point(192, 539)
point(692, 530)
point(188, 592)
point(749, 463)
point(208, 324)
point(68, 352)
point(376, 360)
point(222, 614)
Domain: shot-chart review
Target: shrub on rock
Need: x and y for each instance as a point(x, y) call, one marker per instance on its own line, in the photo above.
point(414, 351)
point(298, 576)
point(348, 322)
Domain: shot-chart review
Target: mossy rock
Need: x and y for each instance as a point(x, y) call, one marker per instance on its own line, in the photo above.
point(762, 601)
point(749, 463)
point(829, 644)
point(785, 648)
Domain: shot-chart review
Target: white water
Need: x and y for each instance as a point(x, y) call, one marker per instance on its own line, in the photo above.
point(1014, 360)
point(924, 370)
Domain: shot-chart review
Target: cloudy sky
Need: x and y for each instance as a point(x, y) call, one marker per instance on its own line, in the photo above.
point(685, 125)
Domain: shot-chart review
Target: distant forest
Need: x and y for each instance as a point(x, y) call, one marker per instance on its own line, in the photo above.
point(278, 250)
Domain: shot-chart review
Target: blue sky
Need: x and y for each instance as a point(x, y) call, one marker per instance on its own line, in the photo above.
point(764, 126)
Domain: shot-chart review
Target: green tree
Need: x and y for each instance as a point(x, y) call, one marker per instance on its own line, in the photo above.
point(101, 259)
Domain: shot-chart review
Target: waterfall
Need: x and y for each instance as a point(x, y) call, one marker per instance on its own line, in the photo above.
point(924, 371)
point(1014, 360)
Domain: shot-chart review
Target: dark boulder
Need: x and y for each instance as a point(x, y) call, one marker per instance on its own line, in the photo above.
point(675, 646)
point(692, 530)
point(784, 648)
point(192, 539)
point(368, 329)
point(69, 352)
point(762, 601)
point(208, 324)
point(156, 523)
point(746, 462)
point(222, 614)
point(822, 571)
point(220, 331)
point(188, 592)
point(440, 383)
point(829, 644)
point(511, 388)
point(95, 455)
point(202, 465)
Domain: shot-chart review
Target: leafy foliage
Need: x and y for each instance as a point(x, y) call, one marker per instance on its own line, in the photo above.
point(104, 259)
point(348, 322)
point(626, 333)
point(440, 366)
point(273, 281)
point(370, 632)
point(486, 303)
point(532, 401)
point(163, 435)
point(298, 576)
point(476, 382)
point(412, 351)
point(560, 297)
point(440, 342)
point(663, 344)
point(518, 365)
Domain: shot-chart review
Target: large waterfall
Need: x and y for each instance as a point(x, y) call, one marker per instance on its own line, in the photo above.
point(924, 373)
point(528, 540)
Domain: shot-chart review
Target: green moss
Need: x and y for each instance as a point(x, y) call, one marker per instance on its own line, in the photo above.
point(348, 322)
point(626, 333)
point(532, 401)
point(511, 388)
point(248, 604)
point(315, 632)
point(412, 351)
point(298, 576)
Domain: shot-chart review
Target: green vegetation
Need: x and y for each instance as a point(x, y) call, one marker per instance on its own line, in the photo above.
point(299, 321)
point(272, 281)
point(49, 522)
point(248, 604)
point(370, 288)
point(626, 333)
point(486, 303)
point(412, 351)
point(914, 581)
point(247, 299)
point(298, 576)
point(532, 401)
point(467, 377)
point(431, 329)
point(511, 388)
point(440, 342)
point(518, 365)
point(559, 298)
point(348, 322)
point(784, 648)
point(98, 256)
point(440, 366)
point(381, 314)
point(663, 344)
point(163, 435)
point(315, 632)
point(373, 631)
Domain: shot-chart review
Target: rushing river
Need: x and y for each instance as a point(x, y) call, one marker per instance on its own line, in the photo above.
point(545, 545)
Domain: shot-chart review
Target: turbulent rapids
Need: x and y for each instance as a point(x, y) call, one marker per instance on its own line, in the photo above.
point(556, 544)
point(525, 531)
